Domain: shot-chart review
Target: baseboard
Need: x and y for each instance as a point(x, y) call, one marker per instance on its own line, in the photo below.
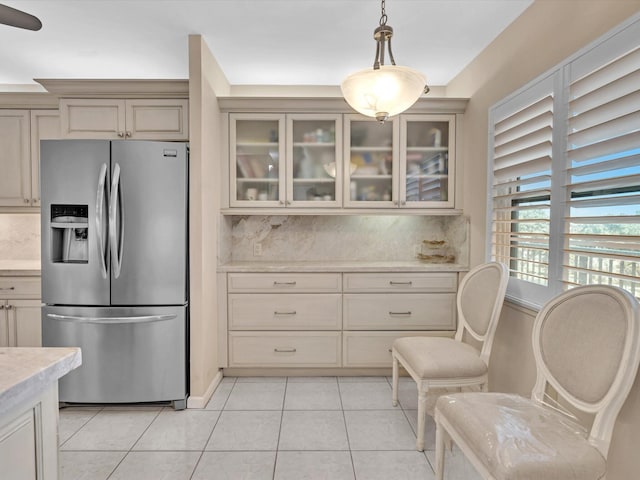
point(201, 401)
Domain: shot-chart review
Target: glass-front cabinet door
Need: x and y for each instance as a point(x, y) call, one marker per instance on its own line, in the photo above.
point(426, 161)
point(257, 160)
point(370, 163)
point(314, 160)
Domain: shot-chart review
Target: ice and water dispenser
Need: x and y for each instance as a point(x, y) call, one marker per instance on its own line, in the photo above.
point(69, 233)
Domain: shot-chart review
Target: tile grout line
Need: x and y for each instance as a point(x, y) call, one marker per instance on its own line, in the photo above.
point(346, 430)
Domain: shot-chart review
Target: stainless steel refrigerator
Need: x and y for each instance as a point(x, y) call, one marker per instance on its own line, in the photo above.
point(114, 267)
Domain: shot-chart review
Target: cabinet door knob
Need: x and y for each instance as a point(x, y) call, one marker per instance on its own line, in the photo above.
point(9, 307)
point(128, 134)
point(121, 134)
point(26, 200)
point(1, 307)
point(403, 202)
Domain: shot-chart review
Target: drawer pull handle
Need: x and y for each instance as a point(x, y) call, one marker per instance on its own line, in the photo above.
point(284, 350)
point(278, 284)
point(8, 288)
point(285, 313)
point(400, 314)
point(400, 283)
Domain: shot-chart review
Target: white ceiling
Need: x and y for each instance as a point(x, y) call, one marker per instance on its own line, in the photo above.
point(256, 42)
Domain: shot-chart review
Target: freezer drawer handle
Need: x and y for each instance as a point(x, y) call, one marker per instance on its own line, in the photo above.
point(119, 320)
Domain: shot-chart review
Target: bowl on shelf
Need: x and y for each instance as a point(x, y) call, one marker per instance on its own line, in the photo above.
point(330, 168)
point(367, 170)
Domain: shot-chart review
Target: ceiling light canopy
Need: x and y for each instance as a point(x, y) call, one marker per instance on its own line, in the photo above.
point(385, 90)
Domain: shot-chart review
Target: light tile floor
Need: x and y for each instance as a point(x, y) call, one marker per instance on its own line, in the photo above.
point(255, 428)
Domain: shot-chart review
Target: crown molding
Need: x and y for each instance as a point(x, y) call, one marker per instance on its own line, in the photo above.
point(115, 88)
point(28, 100)
point(333, 104)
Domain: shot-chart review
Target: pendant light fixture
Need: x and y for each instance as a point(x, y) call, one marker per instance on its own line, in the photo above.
point(385, 90)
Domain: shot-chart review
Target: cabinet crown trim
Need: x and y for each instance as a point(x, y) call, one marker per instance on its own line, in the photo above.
point(92, 88)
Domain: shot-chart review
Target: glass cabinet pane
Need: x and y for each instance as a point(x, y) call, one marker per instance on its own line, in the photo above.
point(257, 153)
point(371, 161)
point(427, 161)
point(314, 161)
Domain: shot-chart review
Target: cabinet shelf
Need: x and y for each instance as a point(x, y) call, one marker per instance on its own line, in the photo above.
point(314, 180)
point(371, 149)
point(314, 144)
point(371, 177)
point(427, 149)
point(256, 145)
point(256, 180)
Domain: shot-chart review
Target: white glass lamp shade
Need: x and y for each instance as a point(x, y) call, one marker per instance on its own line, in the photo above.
point(383, 92)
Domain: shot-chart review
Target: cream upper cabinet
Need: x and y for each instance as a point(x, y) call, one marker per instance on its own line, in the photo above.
point(292, 160)
point(342, 161)
point(427, 161)
point(45, 125)
point(20, 135)
point(15, 160)
point(407, 162)
point(108, 118)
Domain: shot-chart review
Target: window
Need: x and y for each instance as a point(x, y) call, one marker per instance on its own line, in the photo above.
point(565, 188)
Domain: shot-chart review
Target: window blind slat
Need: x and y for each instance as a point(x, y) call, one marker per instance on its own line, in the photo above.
point(613, 92)
point(530, 167)
point(527, 141)
point(605, 184)
point(524, 115)
point(542, 121)
point(606, 165)
point(606, 202)
point(608, 147)
point(607, 73)
point(604, 131)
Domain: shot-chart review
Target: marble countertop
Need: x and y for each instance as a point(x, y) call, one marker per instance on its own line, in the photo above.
point(24, 372)
point(19, 268)
point(332, 266)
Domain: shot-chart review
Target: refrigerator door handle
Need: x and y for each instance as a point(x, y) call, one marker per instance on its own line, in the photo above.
point(118, 320)
point(102, 177)
point(115, 204)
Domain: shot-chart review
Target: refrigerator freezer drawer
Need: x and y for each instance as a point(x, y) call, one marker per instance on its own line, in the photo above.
point(129, 355)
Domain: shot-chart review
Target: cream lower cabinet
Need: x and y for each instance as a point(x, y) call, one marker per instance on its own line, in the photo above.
point(29, 438)
point(380, 307)
point(20, 312)
point(284, 320)
point(333, 319)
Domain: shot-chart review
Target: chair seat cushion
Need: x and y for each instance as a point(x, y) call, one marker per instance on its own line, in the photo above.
point(518, 439)
point(440, 358)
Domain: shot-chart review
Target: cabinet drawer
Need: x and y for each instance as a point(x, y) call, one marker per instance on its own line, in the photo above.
point(291, 349)
point(284, 282)
point(399, 311)
point(289, 311)
point(19, 287)
point(400, 282)
point(373, 349)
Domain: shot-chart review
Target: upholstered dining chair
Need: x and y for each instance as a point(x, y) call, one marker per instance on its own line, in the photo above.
point(439, 362)
point(587, 349)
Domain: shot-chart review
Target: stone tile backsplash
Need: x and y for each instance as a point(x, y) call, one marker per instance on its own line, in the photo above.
point(345, 238)
point(20, 236)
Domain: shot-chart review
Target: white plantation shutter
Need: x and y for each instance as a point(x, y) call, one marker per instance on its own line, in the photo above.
point(602, 226)
point(564, 163)
point(521, 148)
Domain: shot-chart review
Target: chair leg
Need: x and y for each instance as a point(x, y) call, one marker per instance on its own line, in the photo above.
point(440, 441)
point(394, 382)
point(422, 414)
